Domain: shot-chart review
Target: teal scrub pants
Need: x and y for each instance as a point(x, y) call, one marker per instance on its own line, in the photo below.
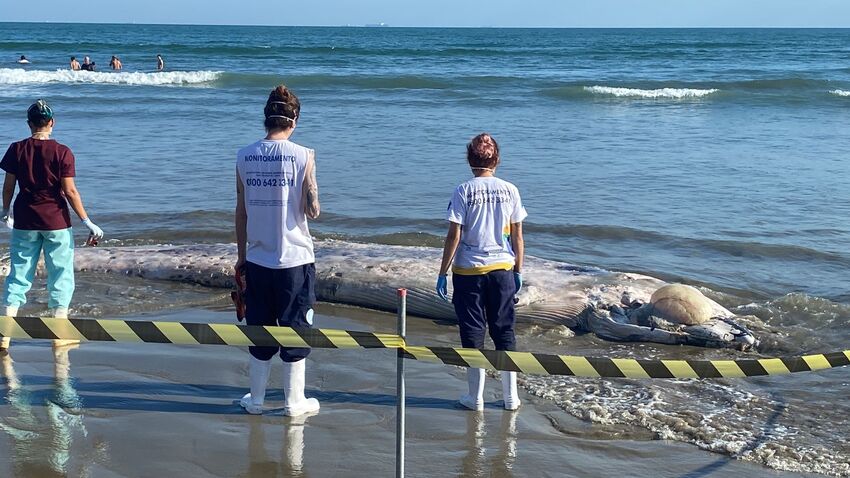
point(26, 247)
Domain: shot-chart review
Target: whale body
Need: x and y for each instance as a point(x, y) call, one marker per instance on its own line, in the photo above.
point(368, 275)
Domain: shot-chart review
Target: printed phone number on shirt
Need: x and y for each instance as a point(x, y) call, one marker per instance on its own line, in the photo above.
point(269, 183)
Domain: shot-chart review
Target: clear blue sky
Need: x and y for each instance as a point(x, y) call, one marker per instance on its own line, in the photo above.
point(511, 13)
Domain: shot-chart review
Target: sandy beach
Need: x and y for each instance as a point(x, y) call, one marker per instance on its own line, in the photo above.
point(163, 410)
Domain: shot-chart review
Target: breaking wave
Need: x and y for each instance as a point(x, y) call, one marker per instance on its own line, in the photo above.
point(840, 92)
point(19, 76)
point(674, 93)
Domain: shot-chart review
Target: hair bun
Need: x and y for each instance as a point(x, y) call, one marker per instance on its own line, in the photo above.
point(483, 151)
point(282, 108)
point(485, 147)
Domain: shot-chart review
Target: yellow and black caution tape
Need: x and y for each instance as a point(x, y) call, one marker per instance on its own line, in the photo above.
point(526, 362)
point(546, 364)
point(190, 333)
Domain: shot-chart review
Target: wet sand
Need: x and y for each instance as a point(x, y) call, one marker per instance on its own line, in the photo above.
point(143, 410)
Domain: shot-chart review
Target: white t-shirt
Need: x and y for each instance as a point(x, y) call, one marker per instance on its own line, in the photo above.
point(485, 207)
point(272, 174)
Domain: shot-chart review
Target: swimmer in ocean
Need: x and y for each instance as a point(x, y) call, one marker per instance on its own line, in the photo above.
point(75, 65)
point(23, 60)
point(115, 63)
point(160, 63)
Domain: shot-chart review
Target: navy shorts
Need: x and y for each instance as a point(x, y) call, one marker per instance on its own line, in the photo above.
point(282, 297)
point(485, 301)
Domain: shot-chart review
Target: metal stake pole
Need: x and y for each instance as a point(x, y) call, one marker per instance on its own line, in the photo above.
point(400, 392)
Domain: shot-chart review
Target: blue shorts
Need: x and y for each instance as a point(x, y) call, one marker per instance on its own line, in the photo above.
point(282, 297)
point(485, 301)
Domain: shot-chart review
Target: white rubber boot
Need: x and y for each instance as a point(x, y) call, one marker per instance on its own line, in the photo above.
point(61, 313)
point(295, 403)
point(258, 375)
point(509, 391)
point(58, 312)
point(474, 400)
point(10, 311)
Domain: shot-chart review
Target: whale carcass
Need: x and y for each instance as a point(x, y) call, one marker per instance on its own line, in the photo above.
point(613, 305)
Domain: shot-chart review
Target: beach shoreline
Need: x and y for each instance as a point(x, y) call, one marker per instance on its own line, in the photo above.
point(178, 404)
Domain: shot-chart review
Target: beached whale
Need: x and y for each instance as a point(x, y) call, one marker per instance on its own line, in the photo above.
point(367, 275)
point(674, 314)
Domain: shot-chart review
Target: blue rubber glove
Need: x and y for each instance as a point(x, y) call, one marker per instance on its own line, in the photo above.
point(95, 231)
point(443, 287)
point(518, 281)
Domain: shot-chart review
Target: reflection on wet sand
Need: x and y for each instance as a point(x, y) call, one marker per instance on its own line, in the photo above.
point(291, 462)
point(294, 446)
point(43, 448)
point(500, 464)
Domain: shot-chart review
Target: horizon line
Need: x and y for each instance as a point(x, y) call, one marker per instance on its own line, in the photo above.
point(384, 26)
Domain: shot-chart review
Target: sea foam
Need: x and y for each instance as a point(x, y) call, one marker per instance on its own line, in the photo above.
point(840, 92)
point(657, 93)
point(19, 76)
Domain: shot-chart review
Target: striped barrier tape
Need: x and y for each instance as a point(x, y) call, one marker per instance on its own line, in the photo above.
point(546, 364)
point(189, 333)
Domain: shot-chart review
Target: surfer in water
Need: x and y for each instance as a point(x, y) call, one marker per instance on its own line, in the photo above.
point(276, 193)
point(75, 65)
point(23, 60)
point(485, 248)
point(160, 63)
point(44, 171)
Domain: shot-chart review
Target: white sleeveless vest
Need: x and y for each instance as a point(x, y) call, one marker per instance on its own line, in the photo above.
point(272, 174)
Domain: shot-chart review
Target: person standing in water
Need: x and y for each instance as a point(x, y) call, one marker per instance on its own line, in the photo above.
point(75, 65)
point(88, 65)
point(485, 244)
point(277, 193)
point(44, 171)
point(115, 63)
point(160, 63)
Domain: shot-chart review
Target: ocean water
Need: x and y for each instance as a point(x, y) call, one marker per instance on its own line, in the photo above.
point(714, 157)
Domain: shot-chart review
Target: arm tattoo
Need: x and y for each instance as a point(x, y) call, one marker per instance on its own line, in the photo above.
point(311, 187)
